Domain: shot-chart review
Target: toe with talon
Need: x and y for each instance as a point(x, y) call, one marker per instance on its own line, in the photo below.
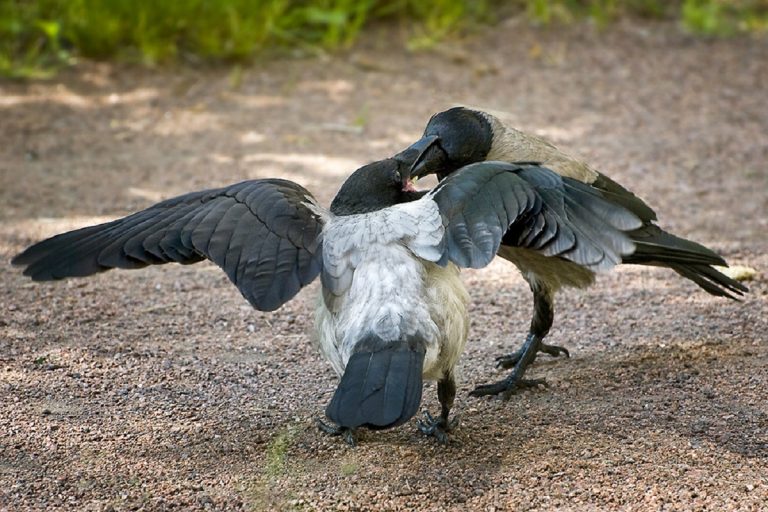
point(508, 361)
point(554, 350)
point(507, 388)
point(439, 427)
point(348, 434)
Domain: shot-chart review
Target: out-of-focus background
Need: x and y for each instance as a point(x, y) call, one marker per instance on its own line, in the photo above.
point(36, 37)
point(161, 388)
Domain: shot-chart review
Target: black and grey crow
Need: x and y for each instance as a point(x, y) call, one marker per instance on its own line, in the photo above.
point(393, 309)
point(546, 257)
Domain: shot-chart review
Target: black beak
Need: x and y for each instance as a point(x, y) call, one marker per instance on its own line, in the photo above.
point(424, 156)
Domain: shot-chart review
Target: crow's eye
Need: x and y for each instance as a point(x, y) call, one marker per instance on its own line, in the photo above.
point(398, 176)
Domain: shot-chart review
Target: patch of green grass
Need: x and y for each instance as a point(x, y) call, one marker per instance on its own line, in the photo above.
point(349, 468)
point(724, 17)
point(704, 16)
point(362, 118)
point(277, 450)
point(709, 17)
point(442, 18)
point(30, 40)
point(39, 36)
point(257, 489)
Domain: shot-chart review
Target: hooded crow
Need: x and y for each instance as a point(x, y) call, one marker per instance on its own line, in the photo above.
point(393, 310)
point(460, 136)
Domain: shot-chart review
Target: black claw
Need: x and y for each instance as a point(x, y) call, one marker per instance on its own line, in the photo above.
point(519, 361)
point(489, 389)
point(347, 433)
point(439, 427)
point(507, 387)
point(554, 350)
point(508, 361)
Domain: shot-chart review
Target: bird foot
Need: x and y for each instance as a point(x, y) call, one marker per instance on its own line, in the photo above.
point(510, 360)
point(347, 433)
point(439, 427)
point(507, 387)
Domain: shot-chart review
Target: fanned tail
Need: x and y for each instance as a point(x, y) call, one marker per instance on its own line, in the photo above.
point(691, 260)
point(381, 386)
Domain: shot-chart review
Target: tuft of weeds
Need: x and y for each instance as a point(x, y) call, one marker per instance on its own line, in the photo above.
point(277, 450)
point(362, 118)
point(349, 468)
point(707, 17)
point(37, 37)
point(257, 490)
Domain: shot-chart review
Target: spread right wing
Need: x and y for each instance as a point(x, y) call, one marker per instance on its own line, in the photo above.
point(529, 206)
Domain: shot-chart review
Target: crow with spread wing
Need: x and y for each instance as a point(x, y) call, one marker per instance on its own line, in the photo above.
point(457, 139)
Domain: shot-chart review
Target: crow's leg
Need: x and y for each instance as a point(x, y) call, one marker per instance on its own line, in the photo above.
point(543, 316)
point(441, 426)
point(347, 433)
point(514, 380)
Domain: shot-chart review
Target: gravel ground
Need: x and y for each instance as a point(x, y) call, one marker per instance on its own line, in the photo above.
point(161, 389)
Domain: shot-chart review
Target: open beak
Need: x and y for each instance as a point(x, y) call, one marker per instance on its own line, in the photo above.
point(424, 156)
point(409, 185)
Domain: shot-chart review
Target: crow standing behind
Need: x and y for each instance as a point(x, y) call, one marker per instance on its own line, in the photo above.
point(546, 258)
point(393, 309)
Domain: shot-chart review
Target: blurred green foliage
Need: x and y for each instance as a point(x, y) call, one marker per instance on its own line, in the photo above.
point(705, 17)
point(37, 36)
point(725, 17)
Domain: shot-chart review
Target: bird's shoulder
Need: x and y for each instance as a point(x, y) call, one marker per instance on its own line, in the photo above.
point(414, 222)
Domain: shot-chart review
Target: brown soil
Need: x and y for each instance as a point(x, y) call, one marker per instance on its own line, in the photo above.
point(162, 389)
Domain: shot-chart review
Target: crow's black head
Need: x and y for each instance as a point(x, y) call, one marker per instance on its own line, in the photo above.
point(452, 139)
point(375, 186)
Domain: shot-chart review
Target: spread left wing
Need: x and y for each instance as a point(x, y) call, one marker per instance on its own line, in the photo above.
point(265, 234)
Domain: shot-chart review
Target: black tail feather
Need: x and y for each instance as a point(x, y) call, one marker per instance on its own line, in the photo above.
point(689, 259)
point(379, 389)
point(711, 280)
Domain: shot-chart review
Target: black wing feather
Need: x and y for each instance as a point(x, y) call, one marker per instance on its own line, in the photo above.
point(656, 247)
point(489, 203)
point(595, 225)
point(260, 232)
